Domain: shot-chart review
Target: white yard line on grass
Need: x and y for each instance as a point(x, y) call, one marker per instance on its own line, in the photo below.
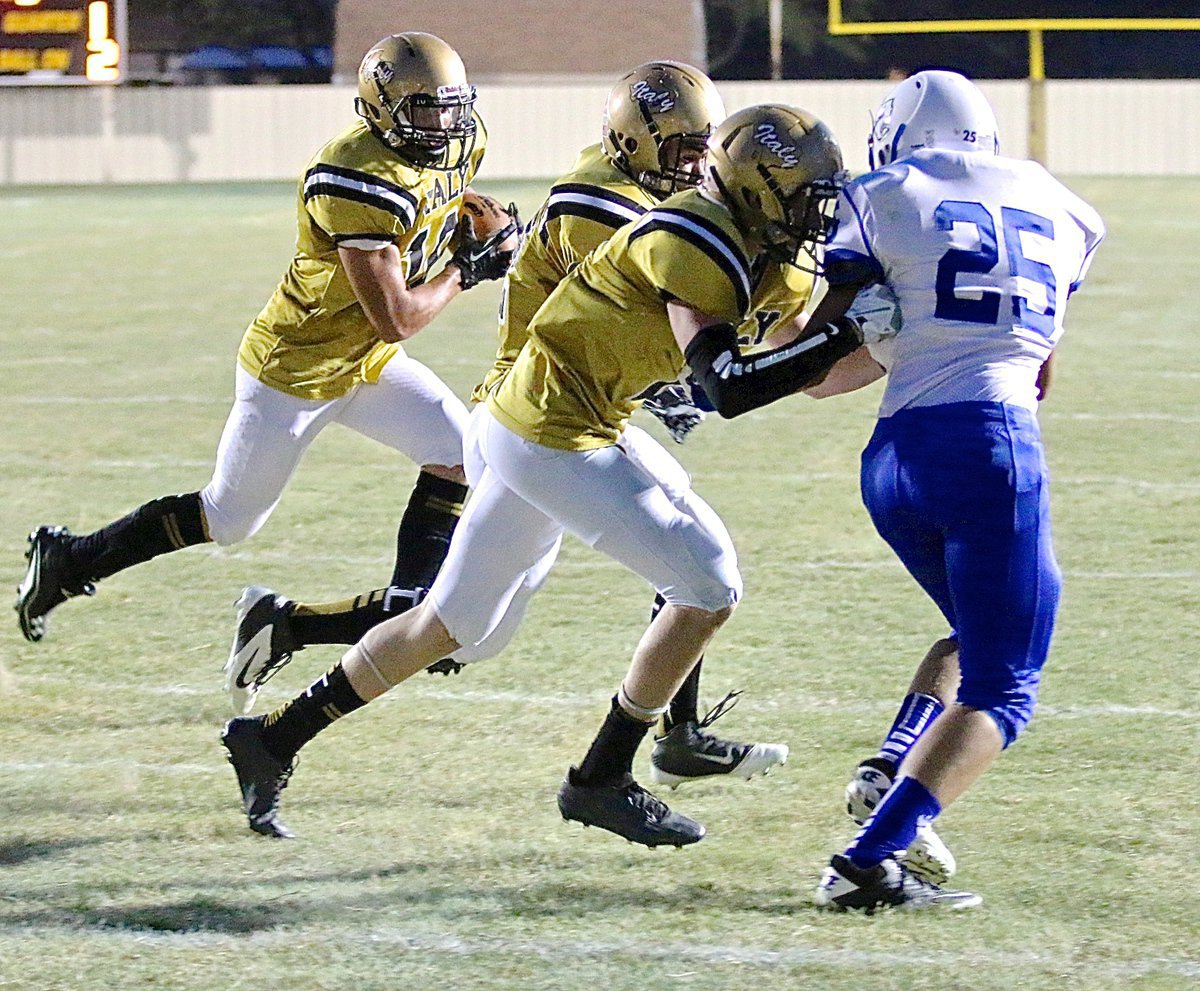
point(792, 703)
point(1123, 417)
point(241, 554)
point(115, 401)
point(134, 400)
point(116, 764)
point(739, 955)
point(705, 476)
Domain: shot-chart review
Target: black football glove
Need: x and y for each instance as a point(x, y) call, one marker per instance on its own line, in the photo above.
point(522, 233)
point(482, 261)
point(677, 410)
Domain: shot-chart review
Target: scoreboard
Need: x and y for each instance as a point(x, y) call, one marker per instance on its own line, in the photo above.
point(62, 42)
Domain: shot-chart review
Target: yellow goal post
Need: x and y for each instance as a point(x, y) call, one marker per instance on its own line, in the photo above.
point(1035, 27)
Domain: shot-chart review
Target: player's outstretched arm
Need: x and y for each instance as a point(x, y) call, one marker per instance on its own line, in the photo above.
point(856, 370)
point(396, 311)
point(737, 383)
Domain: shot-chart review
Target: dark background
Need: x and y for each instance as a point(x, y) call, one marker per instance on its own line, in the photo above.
point(738, 46)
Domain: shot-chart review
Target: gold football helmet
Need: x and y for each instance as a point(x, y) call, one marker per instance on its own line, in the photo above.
point(778, 169)
point(656, 121)
point(413, 92)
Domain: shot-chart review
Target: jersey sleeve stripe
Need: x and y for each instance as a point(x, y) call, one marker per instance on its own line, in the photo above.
point(597, 192)
point(844, 267)
point(709, 239)
point(365, 177)
point(362, 188)
point(364, 242)
point(590, 209)
point(592, 203)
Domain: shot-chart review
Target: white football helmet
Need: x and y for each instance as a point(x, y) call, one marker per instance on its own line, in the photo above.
point(932, 109)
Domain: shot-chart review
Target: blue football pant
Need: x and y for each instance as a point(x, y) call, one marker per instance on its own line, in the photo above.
point(960, 493)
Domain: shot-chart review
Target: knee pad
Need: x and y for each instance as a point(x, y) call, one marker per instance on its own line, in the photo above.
point(227, 528)
point(1011, 715)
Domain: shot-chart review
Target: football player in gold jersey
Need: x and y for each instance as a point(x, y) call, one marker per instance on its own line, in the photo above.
point(656, 122)
point(545, 453)
point(376, 210)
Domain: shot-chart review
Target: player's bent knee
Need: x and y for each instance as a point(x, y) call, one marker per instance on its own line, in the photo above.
point(227, 528)
point(710, 617)
point(1012, 715)
point(718, 597)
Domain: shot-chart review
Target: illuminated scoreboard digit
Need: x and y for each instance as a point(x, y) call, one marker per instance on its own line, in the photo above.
point(59, 42)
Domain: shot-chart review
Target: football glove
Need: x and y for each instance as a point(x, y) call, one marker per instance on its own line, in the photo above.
point(522, 232)
point(482, 261)
point(675, 407)
point(877, 313)
point(699, 397)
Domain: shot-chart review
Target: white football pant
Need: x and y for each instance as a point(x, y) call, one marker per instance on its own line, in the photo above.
point(409, 409)
point(633, 501)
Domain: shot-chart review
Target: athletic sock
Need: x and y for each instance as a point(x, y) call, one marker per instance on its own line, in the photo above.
point(893, 826)
point(158, 527)
point(347, 621)
point(684, 706)
point(916, 713)
point(425, 530)
point(610, 757)
point(294, 723)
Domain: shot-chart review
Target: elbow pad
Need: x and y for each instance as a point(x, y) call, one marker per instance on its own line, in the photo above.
point(736, 384)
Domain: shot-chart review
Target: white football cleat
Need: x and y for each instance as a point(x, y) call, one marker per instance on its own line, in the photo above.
point(928, 858)
point(887, 885)
point(262, 644)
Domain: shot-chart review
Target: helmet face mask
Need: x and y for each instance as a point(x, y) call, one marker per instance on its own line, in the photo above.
point(657, 120)
point(807, 225)
point(413, 93)
point(932, 109)
point(680, 160)
point(778, 169)
point(428, 124)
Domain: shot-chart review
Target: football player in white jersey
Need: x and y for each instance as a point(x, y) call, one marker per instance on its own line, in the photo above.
point(981, 253)
point(545, 453)
point(656, 121)
point(377, 209)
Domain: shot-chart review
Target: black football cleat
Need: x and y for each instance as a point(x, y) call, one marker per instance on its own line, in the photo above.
point(260, 775)
point(627, 809)
point(889, 884)
point(50, 579)
point(688, 752)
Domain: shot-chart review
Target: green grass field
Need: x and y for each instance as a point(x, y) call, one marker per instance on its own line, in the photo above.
point(431, 854)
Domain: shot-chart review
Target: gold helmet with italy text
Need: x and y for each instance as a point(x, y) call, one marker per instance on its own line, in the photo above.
point(656, 121)
point(778, 170)
point(413, 93)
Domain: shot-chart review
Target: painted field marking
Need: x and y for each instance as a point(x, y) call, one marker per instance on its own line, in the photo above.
point(800, 704)
point(739, 955)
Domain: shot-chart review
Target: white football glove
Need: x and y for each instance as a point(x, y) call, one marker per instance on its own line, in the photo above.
point(877, 313)
point(674, 406)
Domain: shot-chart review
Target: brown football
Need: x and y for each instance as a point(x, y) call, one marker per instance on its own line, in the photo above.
point(484, 216)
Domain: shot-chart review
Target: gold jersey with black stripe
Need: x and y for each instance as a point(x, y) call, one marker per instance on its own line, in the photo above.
point(313, 339)
point(582, 211)
point(780, 293)
point(603, 341)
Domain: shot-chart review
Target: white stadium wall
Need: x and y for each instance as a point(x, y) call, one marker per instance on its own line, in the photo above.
point(111, 135)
